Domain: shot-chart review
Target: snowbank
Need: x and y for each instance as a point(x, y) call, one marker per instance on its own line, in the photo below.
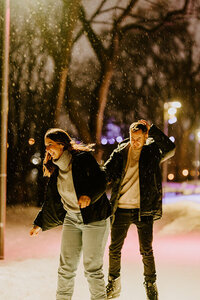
point(180, 217)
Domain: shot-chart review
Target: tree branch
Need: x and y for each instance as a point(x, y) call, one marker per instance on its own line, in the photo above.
point(142, 19)
point(94, 40)
point(110, 9)
point(169, 17)
point(97, 12)
point(154, 4)
point(101, 22)
point(126, 11)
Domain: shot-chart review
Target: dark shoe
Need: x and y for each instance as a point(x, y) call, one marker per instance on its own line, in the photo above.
point(151, 290)
point(113, 287)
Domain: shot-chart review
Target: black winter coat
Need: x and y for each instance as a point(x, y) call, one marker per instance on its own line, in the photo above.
point(88, 180)
point(158, 148)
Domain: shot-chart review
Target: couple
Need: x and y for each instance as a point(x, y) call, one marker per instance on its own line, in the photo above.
point(75, 197)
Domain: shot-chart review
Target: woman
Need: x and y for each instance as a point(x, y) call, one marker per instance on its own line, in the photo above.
point(75, 197)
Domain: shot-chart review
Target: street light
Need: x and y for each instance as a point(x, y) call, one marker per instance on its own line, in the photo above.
point(169, 116)
point(4, 122)
point(197, 142)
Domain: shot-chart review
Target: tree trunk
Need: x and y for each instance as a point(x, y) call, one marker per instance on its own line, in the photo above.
point(71, 8)
point(102, 100)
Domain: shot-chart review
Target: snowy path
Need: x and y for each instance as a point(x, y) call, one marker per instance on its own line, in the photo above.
point(29, 270)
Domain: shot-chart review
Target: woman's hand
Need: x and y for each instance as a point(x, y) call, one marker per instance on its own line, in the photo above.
point(84, 201)
point(35, 230)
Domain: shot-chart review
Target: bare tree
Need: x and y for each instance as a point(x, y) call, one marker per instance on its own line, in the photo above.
point(39, 59)
point(124, 19)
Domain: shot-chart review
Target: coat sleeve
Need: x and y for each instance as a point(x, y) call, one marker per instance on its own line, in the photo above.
point(111, 165)
point(93, 181)
point(52, 213)
point(165, 145)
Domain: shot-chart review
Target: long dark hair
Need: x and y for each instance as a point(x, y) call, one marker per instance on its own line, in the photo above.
point(60, 136)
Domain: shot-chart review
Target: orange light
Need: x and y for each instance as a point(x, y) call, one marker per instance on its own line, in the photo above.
point(170, 176)
point(31, 141)
point(192, 172)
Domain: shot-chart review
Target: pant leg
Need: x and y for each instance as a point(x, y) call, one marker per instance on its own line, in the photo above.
point(145, 233)
point(69, 257)
point(119, 231)
point(94, 239)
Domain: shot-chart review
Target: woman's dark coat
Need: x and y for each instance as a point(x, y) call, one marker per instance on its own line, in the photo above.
point(88, 180)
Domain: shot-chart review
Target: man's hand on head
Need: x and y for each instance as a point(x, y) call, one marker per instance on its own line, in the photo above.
point(144, 122)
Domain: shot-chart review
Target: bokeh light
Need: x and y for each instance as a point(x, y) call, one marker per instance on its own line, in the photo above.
point(172, 111)
point(170, 176)
point(31, 141)
point(185, 172)
point(172, 120)
point(119, 139)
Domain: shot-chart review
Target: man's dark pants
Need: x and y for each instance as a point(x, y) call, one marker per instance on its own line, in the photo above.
point(123, 219)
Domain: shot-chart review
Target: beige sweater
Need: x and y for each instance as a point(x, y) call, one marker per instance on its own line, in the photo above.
point(130, 192)
point(65, 183)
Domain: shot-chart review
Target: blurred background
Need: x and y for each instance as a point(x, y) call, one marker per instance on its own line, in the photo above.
point(94, 67)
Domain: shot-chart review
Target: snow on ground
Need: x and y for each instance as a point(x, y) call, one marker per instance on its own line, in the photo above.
point(29, 271)
point(180, 217)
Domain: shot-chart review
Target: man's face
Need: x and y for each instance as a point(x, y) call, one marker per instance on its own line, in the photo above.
point(138, 139)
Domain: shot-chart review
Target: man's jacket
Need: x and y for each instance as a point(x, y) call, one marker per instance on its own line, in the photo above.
point(158, 148)
point(88, 180)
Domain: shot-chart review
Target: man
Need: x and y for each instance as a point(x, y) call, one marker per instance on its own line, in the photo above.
point(134, 171)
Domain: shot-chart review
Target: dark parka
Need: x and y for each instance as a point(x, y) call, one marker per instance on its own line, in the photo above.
point(158, 148)
point(88, 180)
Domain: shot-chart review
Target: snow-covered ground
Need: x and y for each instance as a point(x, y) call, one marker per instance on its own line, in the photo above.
point(30, 266)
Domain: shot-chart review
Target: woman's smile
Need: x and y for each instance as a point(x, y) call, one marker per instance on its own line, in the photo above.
point(53, 148)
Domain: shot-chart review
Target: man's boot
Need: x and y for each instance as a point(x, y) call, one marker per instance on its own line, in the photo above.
point(113, 287)
point(151, 290)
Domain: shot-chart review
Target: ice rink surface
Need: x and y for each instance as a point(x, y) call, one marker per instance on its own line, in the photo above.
point(29, 271)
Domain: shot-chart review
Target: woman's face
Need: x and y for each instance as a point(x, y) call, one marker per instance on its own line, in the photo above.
point(53, 148)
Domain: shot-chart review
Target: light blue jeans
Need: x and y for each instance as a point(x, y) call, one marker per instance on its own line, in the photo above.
point(91, 239)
